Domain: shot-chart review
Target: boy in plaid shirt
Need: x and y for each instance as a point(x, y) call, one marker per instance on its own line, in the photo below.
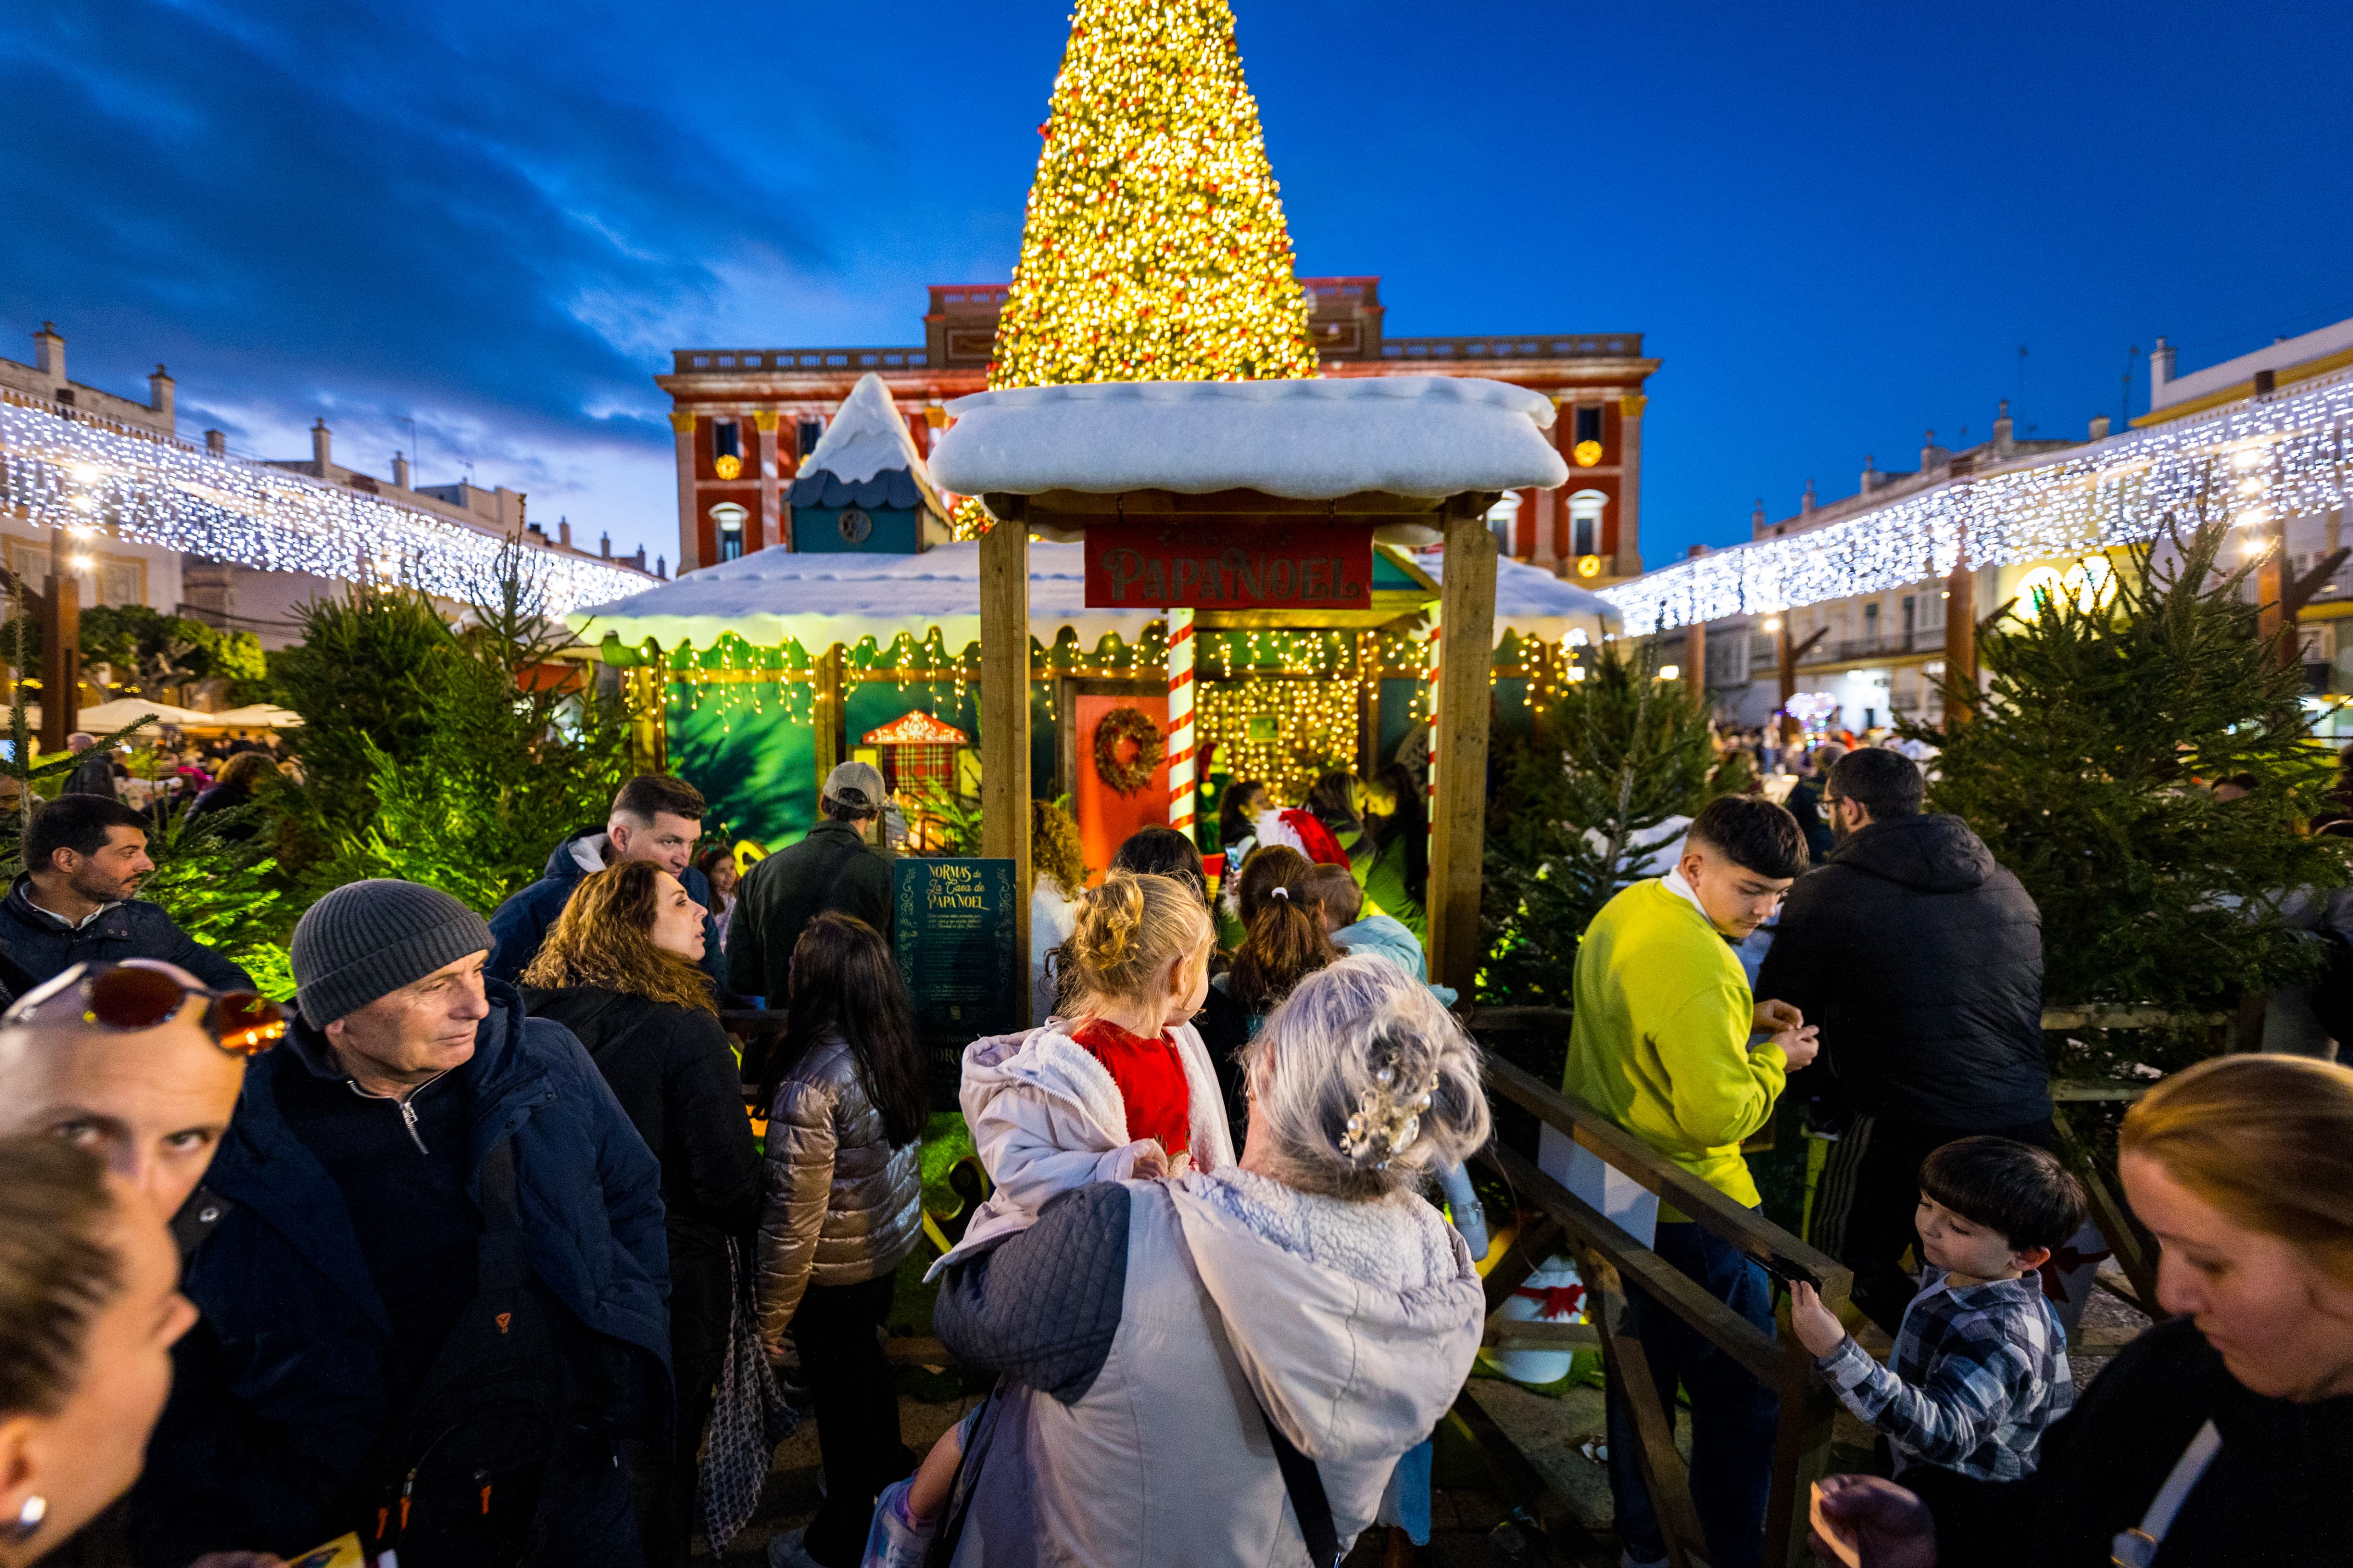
point(1980, 1365)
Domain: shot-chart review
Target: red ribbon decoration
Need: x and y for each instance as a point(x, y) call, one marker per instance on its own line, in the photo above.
point(1559, 1300)
point(2066, 1261)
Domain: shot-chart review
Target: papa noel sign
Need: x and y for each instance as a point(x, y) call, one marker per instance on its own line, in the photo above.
point(1229, 567)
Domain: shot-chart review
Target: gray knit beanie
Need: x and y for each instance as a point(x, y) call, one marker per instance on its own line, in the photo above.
point(366, 940)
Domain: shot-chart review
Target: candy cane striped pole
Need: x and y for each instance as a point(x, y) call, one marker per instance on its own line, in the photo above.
point(1437, 659)
point(1181, 791)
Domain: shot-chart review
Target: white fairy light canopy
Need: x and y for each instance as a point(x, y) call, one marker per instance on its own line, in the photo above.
point(2256, 462)
point(82, 475)
point(1318, 440)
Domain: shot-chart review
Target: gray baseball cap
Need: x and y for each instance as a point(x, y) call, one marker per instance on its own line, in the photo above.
point(858, 785)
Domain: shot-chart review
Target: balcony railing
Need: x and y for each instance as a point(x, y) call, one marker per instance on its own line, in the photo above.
point(1765, 651)
point(1548, 345)
point(691, 362)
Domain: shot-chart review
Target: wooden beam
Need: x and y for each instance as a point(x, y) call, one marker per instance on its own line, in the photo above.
point(1459, 820)
point(1961, 636)
point(2274, 625)
point(1628, 1370)
point(825, 712)
point(1735, 1335)
point(1005, 724)
point(2300, 592)
point(1791, 652)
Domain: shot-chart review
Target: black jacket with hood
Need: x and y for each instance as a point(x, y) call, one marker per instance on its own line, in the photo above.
point(1922, 962)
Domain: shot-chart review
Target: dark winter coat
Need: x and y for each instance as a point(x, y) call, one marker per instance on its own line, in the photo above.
point(1922, 962)
point(832, 869)
point(292, 1377)
point(520, 925)
point(42, 945)
point(676, 1078)
point(2274, 1493)
point(227, 797)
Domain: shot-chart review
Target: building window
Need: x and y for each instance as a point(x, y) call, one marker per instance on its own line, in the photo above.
point(1584, 523)
point(1500, 520)
point(726, 449)
point(730, 518)
point(1589, 422)
point(806, 433)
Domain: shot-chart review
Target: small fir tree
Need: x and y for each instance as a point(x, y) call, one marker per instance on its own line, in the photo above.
point(2085, 769)
point(1613, 757)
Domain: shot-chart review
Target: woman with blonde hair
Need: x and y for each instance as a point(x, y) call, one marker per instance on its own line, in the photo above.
point(1061, 866)
point(2224, 1436)
point(620, 971)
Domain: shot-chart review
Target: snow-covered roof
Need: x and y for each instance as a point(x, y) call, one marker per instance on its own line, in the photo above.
point(863, 452)
point(1318, 440)
point(770, 595)
point(1532, 602)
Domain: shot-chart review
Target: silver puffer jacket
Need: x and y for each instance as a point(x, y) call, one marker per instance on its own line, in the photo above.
point(843, 1206)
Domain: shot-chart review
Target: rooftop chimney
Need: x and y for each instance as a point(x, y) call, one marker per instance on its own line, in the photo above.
point(564, 532)
point(661, 565)
point(605, 544)
point(1757, 519)
point(641, 558)
point(2001, 426)
point(2160, 368)
point(1869, 473)
point(1806, 502)
point(400, 470)
point(2099, 427)
point(1932, 456)
point(215, 441)
point(159, 394)
point(50, 353)
point(321, 440)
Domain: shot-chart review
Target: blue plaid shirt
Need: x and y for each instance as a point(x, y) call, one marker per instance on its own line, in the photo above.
point(1980, 1373)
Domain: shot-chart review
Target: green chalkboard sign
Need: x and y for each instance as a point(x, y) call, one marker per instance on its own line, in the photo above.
point(955, 938)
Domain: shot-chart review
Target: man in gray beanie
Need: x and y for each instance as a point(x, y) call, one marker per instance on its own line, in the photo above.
point(433, 1306)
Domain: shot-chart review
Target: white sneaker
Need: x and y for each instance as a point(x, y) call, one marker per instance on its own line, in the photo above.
point(894, 1541)
point(786, 1551)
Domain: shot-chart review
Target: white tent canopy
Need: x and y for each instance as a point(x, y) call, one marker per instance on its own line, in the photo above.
point(1427, 435)
point(771, 595)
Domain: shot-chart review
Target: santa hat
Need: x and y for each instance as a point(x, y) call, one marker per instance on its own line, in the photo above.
point(1301, 830)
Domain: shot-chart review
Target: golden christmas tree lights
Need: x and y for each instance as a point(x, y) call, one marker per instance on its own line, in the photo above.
point(1154, 248)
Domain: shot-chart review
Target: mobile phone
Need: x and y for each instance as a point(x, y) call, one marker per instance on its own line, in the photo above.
point(1837, 1540)
point(1787, 1273)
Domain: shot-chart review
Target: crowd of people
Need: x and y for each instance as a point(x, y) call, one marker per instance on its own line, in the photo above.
point(476, 1255)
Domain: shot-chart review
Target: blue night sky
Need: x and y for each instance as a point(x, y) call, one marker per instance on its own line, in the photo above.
point(1835, 224)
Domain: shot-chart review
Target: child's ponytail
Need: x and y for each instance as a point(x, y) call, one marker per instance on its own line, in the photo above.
point(1128, 931)
point(1285, 941)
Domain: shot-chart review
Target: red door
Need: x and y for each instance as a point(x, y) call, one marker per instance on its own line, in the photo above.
point(1105, 816)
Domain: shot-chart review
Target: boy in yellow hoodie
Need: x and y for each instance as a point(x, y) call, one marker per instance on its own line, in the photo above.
point(1661, 1046)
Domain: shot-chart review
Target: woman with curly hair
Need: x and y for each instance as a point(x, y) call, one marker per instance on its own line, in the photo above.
point(619, 971)
point(1061, 868)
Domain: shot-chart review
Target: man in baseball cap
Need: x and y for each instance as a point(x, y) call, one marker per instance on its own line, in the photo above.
point(837, 866)
point(434, 1208)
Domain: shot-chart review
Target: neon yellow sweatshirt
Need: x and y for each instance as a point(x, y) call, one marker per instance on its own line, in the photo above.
point(1659, 1041)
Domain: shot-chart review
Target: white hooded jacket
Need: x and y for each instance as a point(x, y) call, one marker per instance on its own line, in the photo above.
point(1046, 1117)
point(1142, 1329)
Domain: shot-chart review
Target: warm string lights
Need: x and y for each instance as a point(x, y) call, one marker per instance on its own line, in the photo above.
point(2270, 459)
point(1154, 248)
point(62, 471)
point(1284, 732)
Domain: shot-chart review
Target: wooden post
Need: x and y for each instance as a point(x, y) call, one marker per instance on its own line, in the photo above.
point(1459, 738)
point(1961, 636)
point(1695, 671)
point(1004, 723)
point(60, 650)
point(825, 712)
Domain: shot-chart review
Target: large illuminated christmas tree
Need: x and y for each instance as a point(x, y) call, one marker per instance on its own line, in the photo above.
point(1154, 248)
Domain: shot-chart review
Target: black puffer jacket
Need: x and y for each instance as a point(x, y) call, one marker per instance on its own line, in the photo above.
point(1922, 961)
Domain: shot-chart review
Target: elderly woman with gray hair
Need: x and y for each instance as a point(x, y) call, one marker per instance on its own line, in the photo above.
point(1225, 1368)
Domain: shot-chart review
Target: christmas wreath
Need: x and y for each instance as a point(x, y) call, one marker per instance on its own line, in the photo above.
point(1127, 725)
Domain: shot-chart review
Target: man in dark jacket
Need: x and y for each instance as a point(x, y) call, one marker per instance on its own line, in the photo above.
point(655, 817)
point(442, 1260)
point(75, 902)
point(835, 868)
point(1921, 961)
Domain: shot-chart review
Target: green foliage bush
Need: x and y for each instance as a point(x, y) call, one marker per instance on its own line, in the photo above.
point(1614, 755)
point(2084, 772)
point(146, 650)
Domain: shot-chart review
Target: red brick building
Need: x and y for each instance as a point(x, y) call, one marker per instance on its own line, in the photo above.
point(744, 416)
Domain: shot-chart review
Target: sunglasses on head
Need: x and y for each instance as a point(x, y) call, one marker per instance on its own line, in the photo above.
point(135, 996)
